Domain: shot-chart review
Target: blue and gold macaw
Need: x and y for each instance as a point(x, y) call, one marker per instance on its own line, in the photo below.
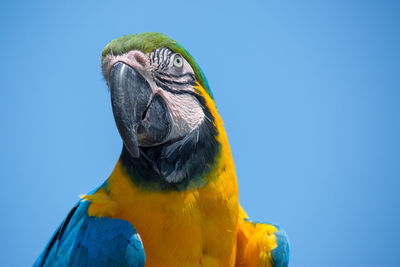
point(172, 198)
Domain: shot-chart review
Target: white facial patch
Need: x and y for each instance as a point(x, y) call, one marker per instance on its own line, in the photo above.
point(175, 78)
point(186, 113)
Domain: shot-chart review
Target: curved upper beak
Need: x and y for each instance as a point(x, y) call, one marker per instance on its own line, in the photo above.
point(137, 112)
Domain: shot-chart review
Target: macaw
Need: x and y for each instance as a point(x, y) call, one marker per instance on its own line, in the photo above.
point(172, 198)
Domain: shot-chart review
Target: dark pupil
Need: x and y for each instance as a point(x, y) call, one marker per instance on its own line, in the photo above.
point(178, 60)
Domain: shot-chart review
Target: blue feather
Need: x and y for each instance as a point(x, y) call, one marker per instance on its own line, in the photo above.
point(82, 240)
point(280, 255)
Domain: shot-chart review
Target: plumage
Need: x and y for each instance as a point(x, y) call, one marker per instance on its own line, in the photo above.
point(172, 198)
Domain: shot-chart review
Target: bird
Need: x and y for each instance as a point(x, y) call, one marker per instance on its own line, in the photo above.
point(172, 197)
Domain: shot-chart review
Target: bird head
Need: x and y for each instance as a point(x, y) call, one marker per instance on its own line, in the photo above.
point(161, 104)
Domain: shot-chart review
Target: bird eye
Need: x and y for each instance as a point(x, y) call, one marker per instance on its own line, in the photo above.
point(178, 61)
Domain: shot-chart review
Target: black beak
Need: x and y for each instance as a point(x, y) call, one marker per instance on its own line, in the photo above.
point(136, 111)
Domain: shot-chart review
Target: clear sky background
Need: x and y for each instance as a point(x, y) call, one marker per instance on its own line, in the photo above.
point(309, 92)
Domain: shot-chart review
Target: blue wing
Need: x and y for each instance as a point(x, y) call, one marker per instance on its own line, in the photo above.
point(82, 240)
point(280, 254)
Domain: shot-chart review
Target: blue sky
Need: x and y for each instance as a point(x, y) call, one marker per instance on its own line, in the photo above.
point(309, 92)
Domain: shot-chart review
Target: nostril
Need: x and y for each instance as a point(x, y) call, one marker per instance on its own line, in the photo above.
point(140, 59)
